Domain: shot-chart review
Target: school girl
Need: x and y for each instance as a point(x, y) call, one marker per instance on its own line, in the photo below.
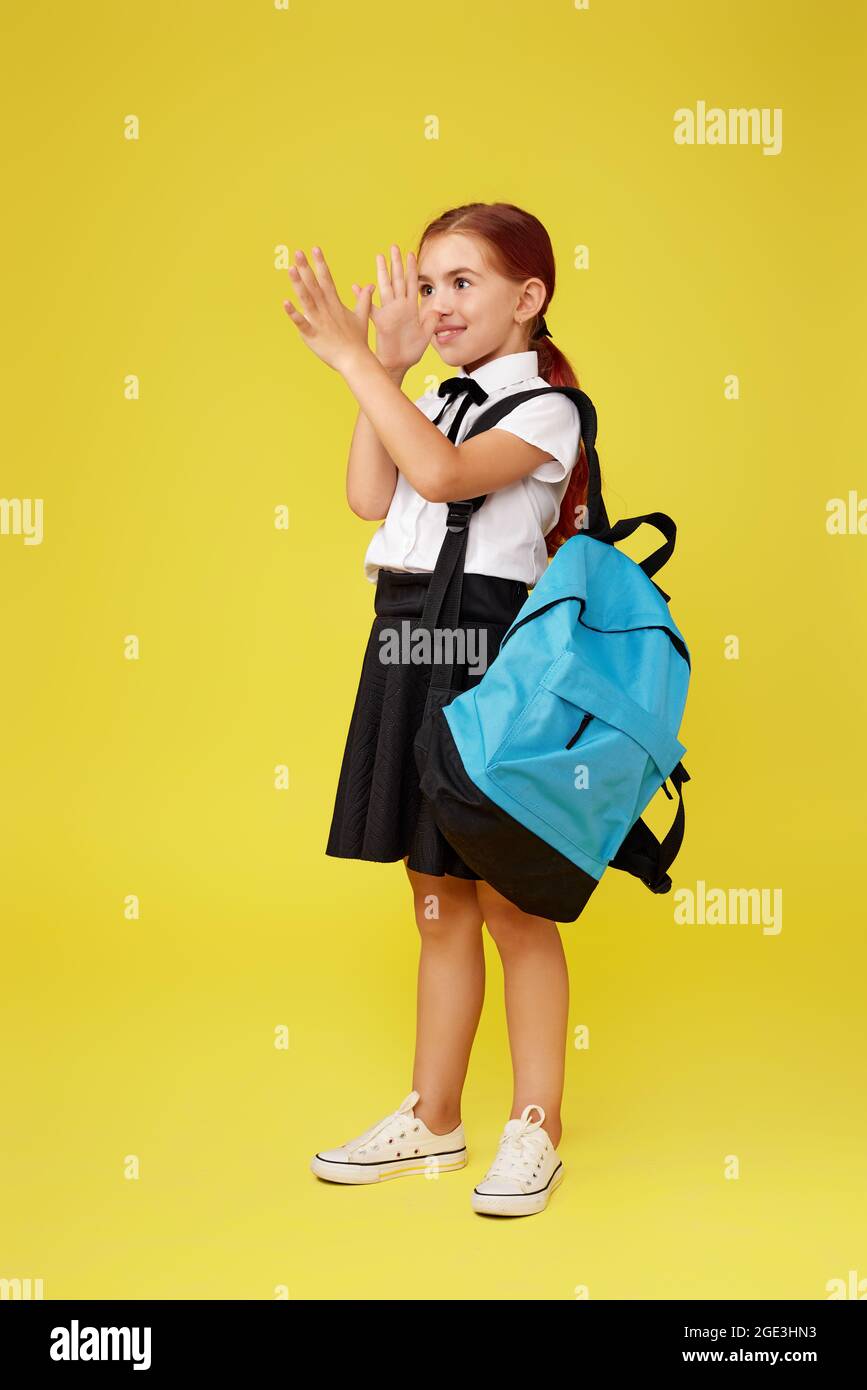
point(477, 291)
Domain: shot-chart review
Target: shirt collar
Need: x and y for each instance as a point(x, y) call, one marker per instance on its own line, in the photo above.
point(504, 371)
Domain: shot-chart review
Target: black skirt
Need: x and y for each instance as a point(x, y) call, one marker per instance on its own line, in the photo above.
point(380, 813)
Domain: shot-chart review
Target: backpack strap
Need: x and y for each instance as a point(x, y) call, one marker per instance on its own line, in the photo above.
point(663, 523)
point(442, 605)
point(642, 855)
point(598, 525)
point(443, 600)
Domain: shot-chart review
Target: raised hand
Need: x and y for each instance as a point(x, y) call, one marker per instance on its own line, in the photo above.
point(328, 327)
point(403, 328)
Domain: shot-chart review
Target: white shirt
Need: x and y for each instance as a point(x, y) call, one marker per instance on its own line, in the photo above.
point(507, 533)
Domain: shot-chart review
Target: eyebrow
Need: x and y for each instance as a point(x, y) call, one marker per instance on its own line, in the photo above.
point(456, 271)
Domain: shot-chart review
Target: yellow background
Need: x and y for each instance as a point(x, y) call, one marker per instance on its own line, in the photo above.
point(263, 128)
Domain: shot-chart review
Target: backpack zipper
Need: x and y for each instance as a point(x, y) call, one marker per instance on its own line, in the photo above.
point(579, 731)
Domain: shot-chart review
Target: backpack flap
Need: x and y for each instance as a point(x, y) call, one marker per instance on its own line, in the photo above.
point(580, 762)
point(571, 678)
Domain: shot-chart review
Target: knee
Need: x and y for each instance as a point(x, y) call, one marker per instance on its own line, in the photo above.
point(442, 916)
point(511, 929)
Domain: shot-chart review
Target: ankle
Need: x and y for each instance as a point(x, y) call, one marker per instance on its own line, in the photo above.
point(437, 1121)
point(553, 1125)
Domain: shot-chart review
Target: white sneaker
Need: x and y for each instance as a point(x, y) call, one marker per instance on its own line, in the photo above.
point(393, 1148)
point(524, 1173)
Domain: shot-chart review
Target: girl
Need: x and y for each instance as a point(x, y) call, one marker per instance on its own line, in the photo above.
point(478, 290)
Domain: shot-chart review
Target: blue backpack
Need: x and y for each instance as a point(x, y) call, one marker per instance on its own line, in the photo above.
point(538, 774)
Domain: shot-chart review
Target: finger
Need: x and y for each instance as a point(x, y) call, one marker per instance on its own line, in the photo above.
point(363, 300)
point(298, 319)
point(397, 279)
point(301, 290)
point(305, 281)
point(411, 277)
point(326, 281)
point(386, 293)
point(428, 322)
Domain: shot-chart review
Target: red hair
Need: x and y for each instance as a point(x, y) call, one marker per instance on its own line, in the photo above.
point(519, 247)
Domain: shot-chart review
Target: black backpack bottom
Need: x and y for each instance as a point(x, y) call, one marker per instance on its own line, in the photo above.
point(529, 872)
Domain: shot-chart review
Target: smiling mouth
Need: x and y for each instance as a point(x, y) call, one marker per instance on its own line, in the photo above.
point(443, 333)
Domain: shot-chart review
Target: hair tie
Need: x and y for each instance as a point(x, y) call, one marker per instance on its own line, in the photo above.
point(543, 331)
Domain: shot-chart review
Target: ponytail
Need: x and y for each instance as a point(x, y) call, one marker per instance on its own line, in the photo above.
point(556, 369)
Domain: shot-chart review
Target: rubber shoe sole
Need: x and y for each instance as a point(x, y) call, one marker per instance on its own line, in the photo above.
point(517, 1203)
point(349, 1172)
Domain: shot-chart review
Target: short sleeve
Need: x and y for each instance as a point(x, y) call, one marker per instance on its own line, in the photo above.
point(552, 422)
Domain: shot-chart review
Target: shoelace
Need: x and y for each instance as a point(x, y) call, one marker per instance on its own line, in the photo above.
point(399, 1116)
point(519, 1149)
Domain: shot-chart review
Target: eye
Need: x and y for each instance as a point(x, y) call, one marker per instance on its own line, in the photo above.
point(459, 279)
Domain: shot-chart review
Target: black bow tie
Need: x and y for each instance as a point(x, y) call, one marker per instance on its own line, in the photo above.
point(456, 386)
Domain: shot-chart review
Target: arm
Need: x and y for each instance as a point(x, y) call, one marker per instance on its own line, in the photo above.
point(371, 473)
point(438, 470)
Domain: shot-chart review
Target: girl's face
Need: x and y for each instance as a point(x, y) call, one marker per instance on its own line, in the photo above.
point(481, 313)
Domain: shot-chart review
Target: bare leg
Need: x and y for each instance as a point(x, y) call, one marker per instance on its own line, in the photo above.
point(536, 982)
point(451, 990)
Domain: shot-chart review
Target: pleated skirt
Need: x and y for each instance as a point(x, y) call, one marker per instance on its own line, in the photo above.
point(380, 813)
